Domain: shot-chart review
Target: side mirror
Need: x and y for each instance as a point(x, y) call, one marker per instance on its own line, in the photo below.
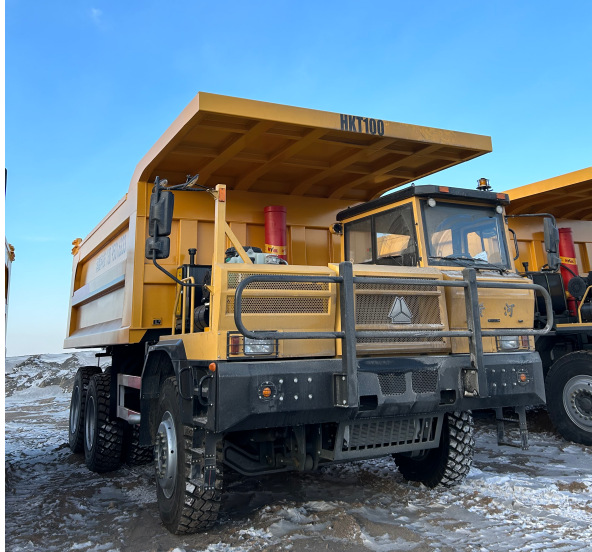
point(160, 222)
point(551, 243)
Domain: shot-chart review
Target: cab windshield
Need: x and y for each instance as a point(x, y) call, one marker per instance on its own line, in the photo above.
point(464, 234)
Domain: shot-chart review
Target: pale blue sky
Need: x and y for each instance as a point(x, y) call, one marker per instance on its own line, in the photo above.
point(90, 86)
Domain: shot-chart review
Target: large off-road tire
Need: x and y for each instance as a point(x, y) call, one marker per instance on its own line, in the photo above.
point(568, 388)
point(77, 405)
point(449, 464)
point(133, 453)
point(103, 437)
point(185, 506)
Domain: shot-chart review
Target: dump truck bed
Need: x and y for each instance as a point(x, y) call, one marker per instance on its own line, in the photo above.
point(569, 199)
point(314, 163)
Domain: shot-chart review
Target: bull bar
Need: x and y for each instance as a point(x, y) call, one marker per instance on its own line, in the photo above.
point(346, 383)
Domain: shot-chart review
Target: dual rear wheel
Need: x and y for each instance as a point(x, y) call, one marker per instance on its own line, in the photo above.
point(106, 442)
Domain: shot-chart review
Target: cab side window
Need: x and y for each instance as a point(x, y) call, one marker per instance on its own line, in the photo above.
point(387, 238)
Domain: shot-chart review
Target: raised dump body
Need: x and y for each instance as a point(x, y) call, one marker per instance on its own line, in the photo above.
point(566, 352)
point(359, 326)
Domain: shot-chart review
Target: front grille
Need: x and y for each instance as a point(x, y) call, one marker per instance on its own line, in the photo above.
point(373, 309)
point(280, 305)
point(392, 383)
point(424, 381)
point(372, 434)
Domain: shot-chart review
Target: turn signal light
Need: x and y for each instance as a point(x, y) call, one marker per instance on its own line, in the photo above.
point(522, 377)
point(266, 392)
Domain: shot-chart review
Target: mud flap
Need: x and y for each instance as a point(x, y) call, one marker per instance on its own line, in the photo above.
point(211, 445)
point(521, 421)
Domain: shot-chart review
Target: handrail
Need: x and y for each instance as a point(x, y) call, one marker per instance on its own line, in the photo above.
point(383, 333)
point(191, 280)
point(349, 335)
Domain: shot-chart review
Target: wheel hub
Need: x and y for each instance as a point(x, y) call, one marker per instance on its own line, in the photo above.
point(75, 409)
point(577, 400)
point(166, 455)
point(89, 433)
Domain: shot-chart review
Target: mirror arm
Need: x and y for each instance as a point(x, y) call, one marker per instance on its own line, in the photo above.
point(515, 243)
point(186, 284)
point(535, 215)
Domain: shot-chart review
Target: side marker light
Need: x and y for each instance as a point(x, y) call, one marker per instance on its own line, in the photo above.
point(212, 367)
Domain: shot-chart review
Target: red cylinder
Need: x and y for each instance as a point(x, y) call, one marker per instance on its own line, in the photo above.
point(567, 253)
point(275, 231)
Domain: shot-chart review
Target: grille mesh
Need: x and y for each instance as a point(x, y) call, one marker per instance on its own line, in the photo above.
point(424, 381)
point(373, 309)
point(389, 287)
point(385, 433)
point(392, 383)
point(280, 305)
point(235, 278)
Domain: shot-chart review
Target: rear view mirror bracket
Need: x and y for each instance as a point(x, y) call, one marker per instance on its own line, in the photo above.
point(551, 235)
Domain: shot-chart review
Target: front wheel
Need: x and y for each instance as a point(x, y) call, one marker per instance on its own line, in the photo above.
point(449, 464)
point(186, 505)
point(568, 387)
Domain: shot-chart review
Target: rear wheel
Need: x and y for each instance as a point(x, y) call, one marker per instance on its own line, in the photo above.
point(103, 437)
point(449, 464)
point(569, 396)
point(184, 503)
point(77, 406)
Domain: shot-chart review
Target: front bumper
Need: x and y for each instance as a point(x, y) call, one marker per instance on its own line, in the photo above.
point(304, 391)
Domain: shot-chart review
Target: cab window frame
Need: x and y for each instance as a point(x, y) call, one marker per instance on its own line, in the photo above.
point(374, 241)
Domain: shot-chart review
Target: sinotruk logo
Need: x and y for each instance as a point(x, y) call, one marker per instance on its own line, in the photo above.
point(400, 313)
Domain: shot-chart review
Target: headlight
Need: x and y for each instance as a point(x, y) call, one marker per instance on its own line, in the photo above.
point(508, 343)
point(259, 346)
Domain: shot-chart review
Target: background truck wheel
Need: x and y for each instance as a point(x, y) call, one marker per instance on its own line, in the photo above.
point(133, 453)
point(185, 506)
point(77, 405)
point(449, 464)
point(569, 396)
point(103, 437)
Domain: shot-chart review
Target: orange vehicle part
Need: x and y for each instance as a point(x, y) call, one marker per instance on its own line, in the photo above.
point(569, 267)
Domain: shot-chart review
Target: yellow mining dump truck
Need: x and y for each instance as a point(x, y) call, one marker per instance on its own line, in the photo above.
point(566, 351)
point(279, 313)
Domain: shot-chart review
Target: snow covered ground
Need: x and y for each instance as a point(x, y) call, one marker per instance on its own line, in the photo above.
point(540, 499)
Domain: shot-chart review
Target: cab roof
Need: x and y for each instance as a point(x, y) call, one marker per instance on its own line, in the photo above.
point(437, 192)
point(263, 147)
point(568, 196)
